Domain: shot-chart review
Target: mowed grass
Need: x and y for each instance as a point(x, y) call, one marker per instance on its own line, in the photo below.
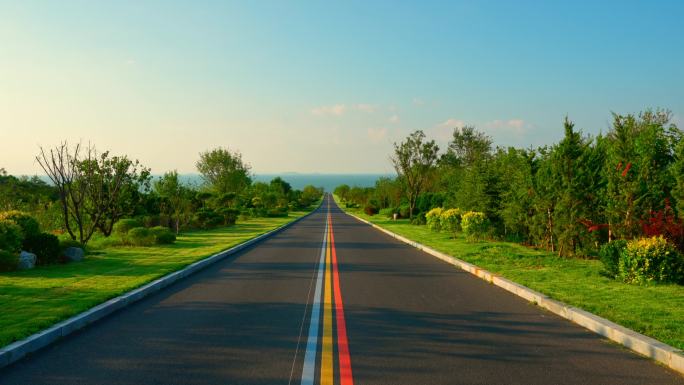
point(656, 310)
point(33, 300)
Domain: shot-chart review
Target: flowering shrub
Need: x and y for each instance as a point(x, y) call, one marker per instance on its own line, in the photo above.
point(651, 260)
point(450, 220)
point(432, 219)
point(474, 225)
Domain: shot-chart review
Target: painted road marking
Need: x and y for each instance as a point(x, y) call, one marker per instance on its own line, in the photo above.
point(342, 342)
point(327, 342)
point(329, 279)
point(308, 372)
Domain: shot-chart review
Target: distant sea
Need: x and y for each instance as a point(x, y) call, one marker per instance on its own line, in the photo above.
point(298, 181)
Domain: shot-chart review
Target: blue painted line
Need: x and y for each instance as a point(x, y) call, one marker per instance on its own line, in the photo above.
point(309, 373)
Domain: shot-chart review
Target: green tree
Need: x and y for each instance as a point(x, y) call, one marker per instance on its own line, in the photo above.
point(342, 191)
point(224, 171)
point(414, 160)
point(175, 198)
point(639, 155)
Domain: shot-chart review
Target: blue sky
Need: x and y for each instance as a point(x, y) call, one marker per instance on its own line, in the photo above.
point(321, 86)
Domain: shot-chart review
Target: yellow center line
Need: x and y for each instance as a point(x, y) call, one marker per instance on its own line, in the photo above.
point(327, 341)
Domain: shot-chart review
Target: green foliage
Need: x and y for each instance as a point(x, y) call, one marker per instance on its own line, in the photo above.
point(140, 236)
point(29, 226)
point(230, 215)
point(450, 220)
point(404, 211)
point(206, 218)
point(433, 219)
point(45, 246)
point(387, 212)
point(11, 236)
point(414, 160)
point(123, 226)
point(609, 254)
point(342, 191)
point(224, 171)
point(653, 259)
point(65, 243)
point(162, 235)
point(8, 261)
point(474, 225)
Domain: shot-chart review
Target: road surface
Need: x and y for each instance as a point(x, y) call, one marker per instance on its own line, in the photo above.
point(332, 301)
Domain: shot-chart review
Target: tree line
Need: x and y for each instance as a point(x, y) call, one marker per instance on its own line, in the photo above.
point(571, 197)
point(93, 193)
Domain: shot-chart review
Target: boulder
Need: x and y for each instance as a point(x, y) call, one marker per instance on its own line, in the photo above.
point(26, 260)
point(73, 254)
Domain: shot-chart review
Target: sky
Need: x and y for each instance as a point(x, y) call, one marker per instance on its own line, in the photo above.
point(320, 86)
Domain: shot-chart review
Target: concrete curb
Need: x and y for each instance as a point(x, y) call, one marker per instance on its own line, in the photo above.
point(17, 350)
point(647, 346)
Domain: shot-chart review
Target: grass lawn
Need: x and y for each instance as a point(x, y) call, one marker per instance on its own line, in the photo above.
point(33, 300)
point(656, 310)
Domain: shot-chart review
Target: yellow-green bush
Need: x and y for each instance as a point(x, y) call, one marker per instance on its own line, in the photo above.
point(474, 225)
point(432, 219)
point(450, 220)
point(651, 260)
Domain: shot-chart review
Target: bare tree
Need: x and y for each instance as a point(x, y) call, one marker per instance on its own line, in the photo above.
point(89, 187)
point(414, 160)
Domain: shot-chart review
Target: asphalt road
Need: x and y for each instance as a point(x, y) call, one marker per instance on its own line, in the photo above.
point(385, 313)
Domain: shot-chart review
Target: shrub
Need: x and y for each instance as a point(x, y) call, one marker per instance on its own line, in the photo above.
point(8, 261)
point(150, 221)
point(229, 215)
point(387, 212)
point(474, 225)
point(29, 226)
point(123, 226)
point(450, 220)
point(433, 219)
point(419, 219)
point(651, 260)
point(404, 211)
point(276, 213)
point(140, 236)
point(11, 236)
point(609, 254)
point(68, 242)
point(207, 218)
point(370, 210)
point(45, 246)
point(162, 235)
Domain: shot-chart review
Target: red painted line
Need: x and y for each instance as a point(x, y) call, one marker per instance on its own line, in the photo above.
point(342, 342)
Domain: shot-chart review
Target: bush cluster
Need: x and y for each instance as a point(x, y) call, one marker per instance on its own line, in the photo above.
point(433, 219)
point(652, 259)
point(450, 220)
point(474, 224)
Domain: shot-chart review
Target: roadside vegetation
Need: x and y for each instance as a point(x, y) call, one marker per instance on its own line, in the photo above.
point(104, 225)
point(594, 222)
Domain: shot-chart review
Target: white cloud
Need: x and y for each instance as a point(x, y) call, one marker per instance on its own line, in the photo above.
point(452, 123)
point(129, 62)
point(394, 119)
point(368, 108)
point(517, 126)
point(334, 110)
point(444, 130)
point(418, 102)
point(377, 134)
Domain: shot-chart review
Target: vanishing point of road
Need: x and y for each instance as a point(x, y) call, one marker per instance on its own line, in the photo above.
point(333, 301)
